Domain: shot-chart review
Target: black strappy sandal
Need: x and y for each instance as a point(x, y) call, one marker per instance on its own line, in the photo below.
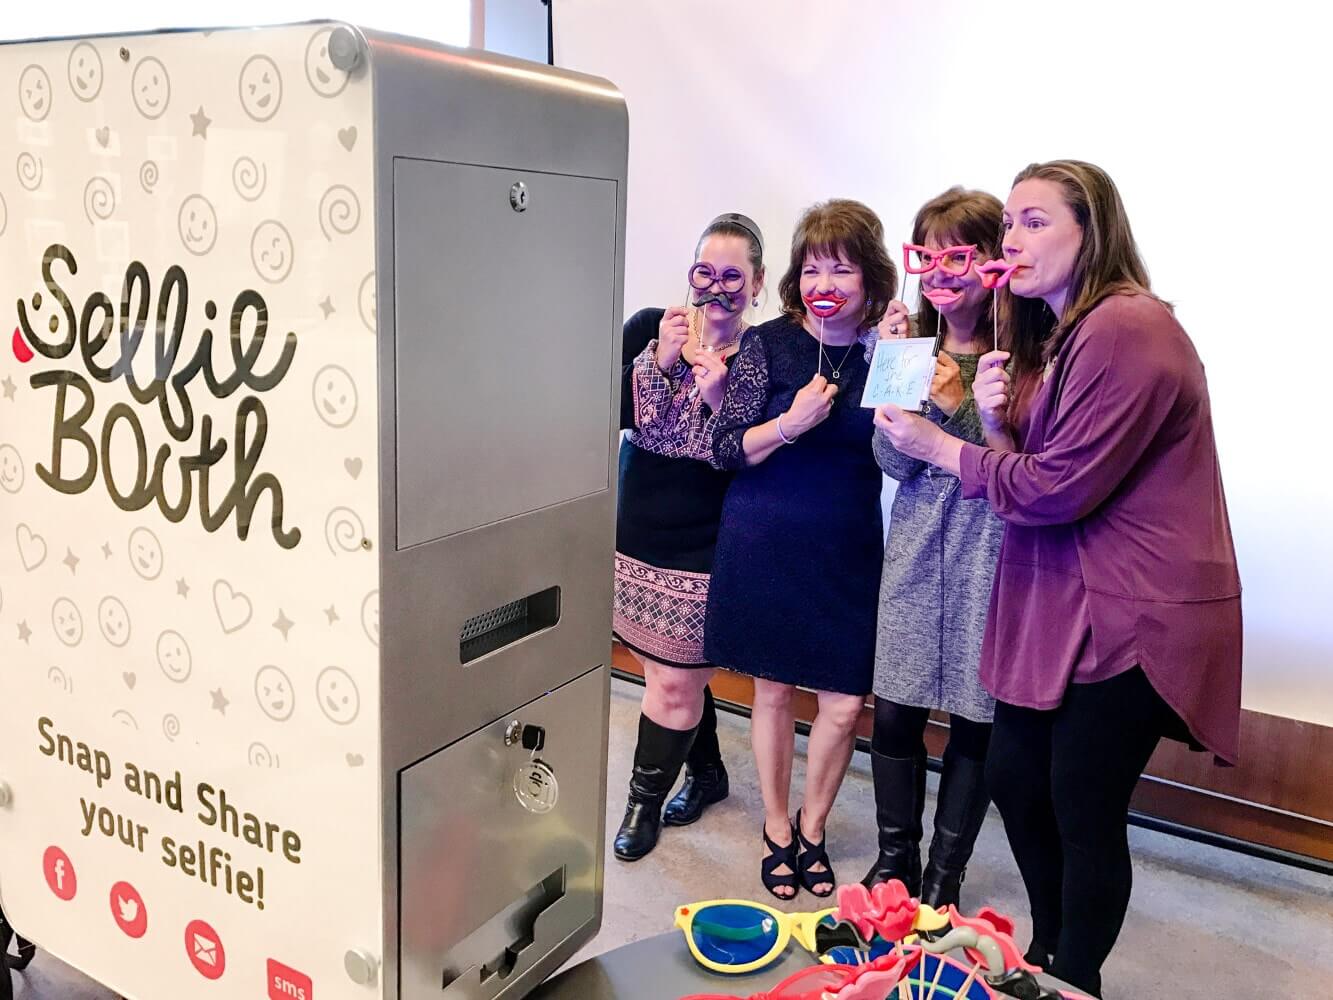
point(809, 856)
point(777, 857)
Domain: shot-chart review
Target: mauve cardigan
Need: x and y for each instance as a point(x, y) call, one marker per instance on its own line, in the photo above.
point(1116, 481)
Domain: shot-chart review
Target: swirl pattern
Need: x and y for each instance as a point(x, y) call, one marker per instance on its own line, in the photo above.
point(99, 199)
point(339, 211)
point(29, 171)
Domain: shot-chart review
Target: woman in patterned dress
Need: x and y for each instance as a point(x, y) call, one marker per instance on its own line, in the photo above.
point(676, 362)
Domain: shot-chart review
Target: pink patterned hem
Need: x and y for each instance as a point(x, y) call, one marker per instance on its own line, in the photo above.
point(661, 611)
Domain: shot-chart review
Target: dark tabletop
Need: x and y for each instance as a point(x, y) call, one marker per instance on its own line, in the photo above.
point(661, 968)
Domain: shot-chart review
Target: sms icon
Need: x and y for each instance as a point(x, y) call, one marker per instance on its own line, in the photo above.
point(287, 984)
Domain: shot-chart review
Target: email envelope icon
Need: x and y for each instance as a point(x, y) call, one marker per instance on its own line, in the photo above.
point(205, 949)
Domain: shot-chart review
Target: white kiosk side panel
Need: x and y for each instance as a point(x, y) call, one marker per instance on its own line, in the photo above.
point(189, 617)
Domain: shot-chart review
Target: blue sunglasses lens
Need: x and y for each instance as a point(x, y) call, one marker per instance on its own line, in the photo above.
point(952, 977)
point(733, 935)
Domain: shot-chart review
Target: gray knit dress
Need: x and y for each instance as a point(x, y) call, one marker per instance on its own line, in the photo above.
point(939, 565)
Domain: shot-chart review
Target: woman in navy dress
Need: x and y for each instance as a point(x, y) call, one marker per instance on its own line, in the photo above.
point(796, 573)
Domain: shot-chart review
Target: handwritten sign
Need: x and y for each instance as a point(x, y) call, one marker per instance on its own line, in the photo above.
point(900, 373)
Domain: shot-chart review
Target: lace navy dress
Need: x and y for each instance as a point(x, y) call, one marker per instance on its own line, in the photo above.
point(795, 586)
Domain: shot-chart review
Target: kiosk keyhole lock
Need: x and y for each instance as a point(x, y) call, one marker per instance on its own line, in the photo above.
point(535, 785)
point(534, 738)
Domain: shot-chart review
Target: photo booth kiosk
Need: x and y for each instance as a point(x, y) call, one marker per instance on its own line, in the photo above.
point(306, 510)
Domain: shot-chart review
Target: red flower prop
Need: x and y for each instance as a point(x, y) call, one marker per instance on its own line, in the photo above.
point(995, 925)
point(886, 910)
point(894, 909)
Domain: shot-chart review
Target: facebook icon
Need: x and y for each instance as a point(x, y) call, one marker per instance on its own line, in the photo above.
point(60, 876)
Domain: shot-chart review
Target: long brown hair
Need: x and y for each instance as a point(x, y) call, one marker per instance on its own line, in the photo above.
point(1108, 263)
point(841, 227)
point(961, 217)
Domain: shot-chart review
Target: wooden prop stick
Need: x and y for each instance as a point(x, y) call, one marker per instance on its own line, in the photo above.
point(967, 983)
point(819, 361)
point(904, 984)
point(935, 982)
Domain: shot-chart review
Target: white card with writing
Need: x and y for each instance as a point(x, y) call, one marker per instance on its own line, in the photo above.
point(900, 373)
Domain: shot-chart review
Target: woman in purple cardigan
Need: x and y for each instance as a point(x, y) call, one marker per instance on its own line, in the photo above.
point(1115, 615)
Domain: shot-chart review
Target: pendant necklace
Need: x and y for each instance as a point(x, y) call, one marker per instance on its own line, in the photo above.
point(835, 371)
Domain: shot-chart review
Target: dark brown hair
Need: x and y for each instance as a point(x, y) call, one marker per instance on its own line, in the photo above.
point(958, 217)
point(1108, 263)
point(848, 229)
point(735, 224)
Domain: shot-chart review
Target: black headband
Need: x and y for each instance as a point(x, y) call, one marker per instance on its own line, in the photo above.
point(742, 222)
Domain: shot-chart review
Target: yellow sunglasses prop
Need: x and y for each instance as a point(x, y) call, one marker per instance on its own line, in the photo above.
point(737, 936)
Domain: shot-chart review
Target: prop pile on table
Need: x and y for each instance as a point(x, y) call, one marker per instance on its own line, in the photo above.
point(876, 944)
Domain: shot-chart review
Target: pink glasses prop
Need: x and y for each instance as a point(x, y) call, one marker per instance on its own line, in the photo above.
point(950, 260)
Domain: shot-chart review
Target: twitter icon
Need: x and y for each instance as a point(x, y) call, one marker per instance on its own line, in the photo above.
point(128, 911)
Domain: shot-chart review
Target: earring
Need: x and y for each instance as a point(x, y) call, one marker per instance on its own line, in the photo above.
point(755, 302)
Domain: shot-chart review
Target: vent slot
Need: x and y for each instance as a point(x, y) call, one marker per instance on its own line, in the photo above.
point(507, 624)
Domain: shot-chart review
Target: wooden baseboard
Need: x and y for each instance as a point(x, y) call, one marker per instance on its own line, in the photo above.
point(1279, 797)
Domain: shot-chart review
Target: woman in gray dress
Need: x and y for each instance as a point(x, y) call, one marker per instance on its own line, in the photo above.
point(939, 564)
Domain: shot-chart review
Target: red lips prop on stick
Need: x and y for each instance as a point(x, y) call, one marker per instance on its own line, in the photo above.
point(942, 296)
point(996, 273)
point(823, 305)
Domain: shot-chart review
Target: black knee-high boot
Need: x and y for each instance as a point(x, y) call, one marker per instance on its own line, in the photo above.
point(959, 812)
point(657, 761)
point(900, 801)
point(706, 780)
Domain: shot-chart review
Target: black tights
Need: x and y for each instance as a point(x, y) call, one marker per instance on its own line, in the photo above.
point(900, 732)
point(704, 751)
point(1062, 780)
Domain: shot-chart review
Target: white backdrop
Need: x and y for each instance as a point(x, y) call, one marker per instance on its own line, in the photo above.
point(1212, 119)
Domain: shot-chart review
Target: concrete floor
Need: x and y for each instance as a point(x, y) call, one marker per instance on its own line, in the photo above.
point(1203, 923)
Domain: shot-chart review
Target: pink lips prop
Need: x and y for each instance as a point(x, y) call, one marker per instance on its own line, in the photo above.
point(824, 305)
point(943, 296)
point(21, 349)
point(996, 273)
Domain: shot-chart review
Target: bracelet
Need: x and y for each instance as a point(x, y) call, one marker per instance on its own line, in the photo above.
point(785, 439)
